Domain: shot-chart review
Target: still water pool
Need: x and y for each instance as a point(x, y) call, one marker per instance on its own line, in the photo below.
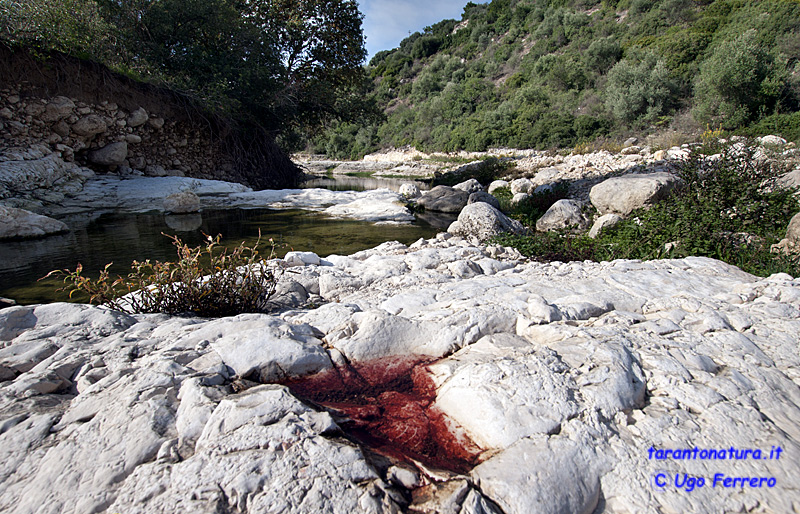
point(121, 238)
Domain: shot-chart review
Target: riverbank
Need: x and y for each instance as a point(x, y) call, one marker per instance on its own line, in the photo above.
point(569, 372)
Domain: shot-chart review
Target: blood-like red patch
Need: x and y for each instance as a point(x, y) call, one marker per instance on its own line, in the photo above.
point(388, 405)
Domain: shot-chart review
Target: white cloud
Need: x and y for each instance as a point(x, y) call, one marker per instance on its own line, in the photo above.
point(387, 22)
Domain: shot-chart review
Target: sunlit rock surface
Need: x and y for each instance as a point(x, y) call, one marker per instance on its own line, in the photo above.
point(569, 377)
point(141, 194)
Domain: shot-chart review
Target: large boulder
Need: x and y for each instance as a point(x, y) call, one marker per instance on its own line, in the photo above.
point(562, 214)
point(113, 154)
point(793, 232)
point(444, 199)
point(19, 223)
point(624, 194)
point(791, 243)
point(483, 221)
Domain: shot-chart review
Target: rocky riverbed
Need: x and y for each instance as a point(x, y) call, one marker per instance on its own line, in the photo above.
point(568, 382)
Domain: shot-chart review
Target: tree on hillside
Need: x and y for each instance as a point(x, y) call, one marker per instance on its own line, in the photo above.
point(737, 80)
point(639, 87)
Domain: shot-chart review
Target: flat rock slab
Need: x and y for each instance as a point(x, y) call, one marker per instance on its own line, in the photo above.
point(19, 223)
point(576, 381)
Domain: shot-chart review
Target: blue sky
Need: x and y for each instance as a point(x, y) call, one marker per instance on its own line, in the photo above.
point(387, 22)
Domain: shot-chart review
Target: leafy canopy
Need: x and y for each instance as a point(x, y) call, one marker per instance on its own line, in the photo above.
point(278, 63)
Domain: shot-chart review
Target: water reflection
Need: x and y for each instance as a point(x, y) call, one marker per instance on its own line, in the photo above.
point(184, 222)
point(347, 183)
point(121, 238)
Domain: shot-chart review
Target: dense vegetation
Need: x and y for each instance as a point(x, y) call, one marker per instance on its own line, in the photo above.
point(280, 65)
point(729, 209)
point(554, 73)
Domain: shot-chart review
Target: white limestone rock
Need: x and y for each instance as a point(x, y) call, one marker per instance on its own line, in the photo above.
point(771, 140)
point(566, 375)
point(522, 185)
point(19, 223)
point(263, 348)
point(409, 190)
point(497, 184)
point(624, 194)
point(483, 221)
point(301, 259)
point(603, 222)
point(469, 186)
point(562, 215)
point(543, 475)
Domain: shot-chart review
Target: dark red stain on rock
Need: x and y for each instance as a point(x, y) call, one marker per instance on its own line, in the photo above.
point(387, 405)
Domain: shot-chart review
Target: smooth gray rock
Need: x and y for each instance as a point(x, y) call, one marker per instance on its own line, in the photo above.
point(113, 154)
point(137, 118)
point(19, 223)
point(57, 109)
point(562, 215)
point(444, 199)
point(483, 196)
point(483, 221)
point(624, 194)
point(89, 126)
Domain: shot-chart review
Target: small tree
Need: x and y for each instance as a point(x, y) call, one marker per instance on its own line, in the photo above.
point(639, 88)
point(737, 82)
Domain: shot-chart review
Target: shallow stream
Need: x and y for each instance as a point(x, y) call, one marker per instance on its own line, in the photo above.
point(123, 237)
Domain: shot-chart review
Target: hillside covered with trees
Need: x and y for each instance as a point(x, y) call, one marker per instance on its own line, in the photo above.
point(556, 73)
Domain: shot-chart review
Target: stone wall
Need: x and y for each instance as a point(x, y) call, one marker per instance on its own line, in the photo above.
point(107, 137)
point(86, 114)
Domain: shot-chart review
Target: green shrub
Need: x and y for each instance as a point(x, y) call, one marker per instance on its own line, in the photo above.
point(639, 88)
point(784, 125)
point(71, 26)
point(535, 205)
point(204, 281)
point(737, 82)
